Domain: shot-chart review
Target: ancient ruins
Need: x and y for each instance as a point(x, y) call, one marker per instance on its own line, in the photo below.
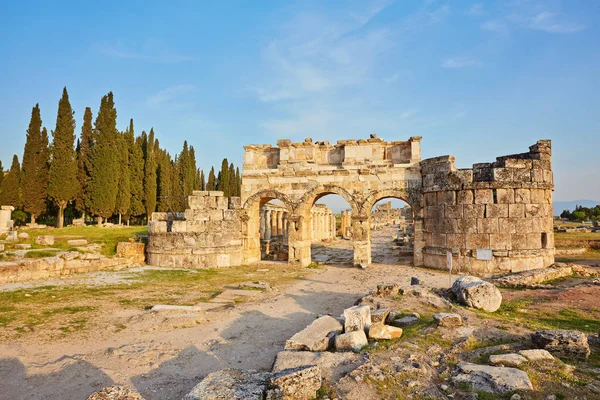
point(494, 217)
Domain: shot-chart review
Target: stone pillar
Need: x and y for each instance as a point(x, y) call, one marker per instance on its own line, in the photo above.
point(299, 240)
point(285, 225)
point(279, 223)
point(267, 224)
point(333, 233)
point(419, 240)
point(262, 223)
point(361, 238)
point(273, 224)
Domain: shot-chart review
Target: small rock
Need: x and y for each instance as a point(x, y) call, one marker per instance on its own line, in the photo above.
point(115, 393)
point(412, 384)
point(404, 321)
point(448, 320)
point(536, 355)
point(357, 318)
point(444, 388)
point(563, 343)
point(23, 236)
point(379, 316)
point(415, 281)
point(474, 292)
point(255, 285)
point(551, 397)
point(493, 379)
point(507, 360)
point(384, 332)
point(352, 341)
point(515, 396)
point(232, 384)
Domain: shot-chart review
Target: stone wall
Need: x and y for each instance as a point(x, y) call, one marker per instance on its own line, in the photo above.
point(207, 235)
point(504, 206)
point(5, 218)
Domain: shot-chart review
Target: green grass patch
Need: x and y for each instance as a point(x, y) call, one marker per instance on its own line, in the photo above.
point(40, 253)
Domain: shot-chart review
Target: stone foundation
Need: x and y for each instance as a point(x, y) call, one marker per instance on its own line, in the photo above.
point(207, 235)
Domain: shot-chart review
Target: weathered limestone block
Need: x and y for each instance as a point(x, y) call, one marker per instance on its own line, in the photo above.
point(333, 365)
point(316, 336)
point(23, 236)
point(115, 393)
point(476, 293)
point(516, 210)
point(352, 341)
point(77, 242)
point(537, 355)
point(45, 240)
point(477, 240)
point(507, 360)
point(487, 225)
point(496, 210)
point(473, 211)
point(301, 383)
point(465, 197)
point(505, 196)
point(484, 196)
point(357, 318)
point(135, 252)
point(562, 343)
point(492, 379)
point(232, 384)
point(379, 316)
point(448, 320)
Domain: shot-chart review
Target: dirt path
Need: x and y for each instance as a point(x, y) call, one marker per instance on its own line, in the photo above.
point(164, 355)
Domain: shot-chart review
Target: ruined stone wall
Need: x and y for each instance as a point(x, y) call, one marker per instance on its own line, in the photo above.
point(5, 222)
point(504, 206)
point(207, 235)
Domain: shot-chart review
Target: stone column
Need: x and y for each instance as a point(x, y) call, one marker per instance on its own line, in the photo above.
point(267, 224)
point(361, 239)
point(285, 225)
point(279, 223)
point(419, 240)
point(299, 240)
point(262, 223)
point(273, 223)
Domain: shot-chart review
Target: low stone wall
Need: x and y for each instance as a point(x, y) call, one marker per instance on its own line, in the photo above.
point(207, 235)
point(63, 264)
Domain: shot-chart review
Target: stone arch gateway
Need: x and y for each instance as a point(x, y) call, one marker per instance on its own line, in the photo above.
point(495, 217)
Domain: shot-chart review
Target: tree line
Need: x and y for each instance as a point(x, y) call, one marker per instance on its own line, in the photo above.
point(104, 173)
point(581, 214)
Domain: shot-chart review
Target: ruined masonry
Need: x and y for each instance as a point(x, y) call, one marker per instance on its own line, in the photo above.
point(494, 217)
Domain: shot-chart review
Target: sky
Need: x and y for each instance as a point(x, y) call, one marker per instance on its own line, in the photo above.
point(475, 79)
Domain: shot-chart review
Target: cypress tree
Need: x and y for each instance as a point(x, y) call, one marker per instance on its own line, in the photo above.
point(211, 180)
point(238, 183)
point(136, 172)
point(223, 184)
point(202, 180)
point(177, 200)
point(10, 194)
point(35, 167)
point(103, 185)
point(165, 177)
point(62, 177)
point(194, 177)
point(1, 174)
point(84, 163)
point(232, 181)
point(149, 175)
point(124, 189)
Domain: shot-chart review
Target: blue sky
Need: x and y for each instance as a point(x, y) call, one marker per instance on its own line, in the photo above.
point(475, 79)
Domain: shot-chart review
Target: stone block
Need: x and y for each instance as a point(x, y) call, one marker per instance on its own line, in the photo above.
point(538, 196)
point(447, 197)
point(434, 212)
point(505, 196)
point(301, 383)
point(523, 225)
point(522, 196)
point(563, 343)
point(502, 174)
point(456, 240)
point(316, 336)
point(487, 225)
point(537, 355)
point(235, 203)
point(215, 193)
point(477, 241)
point(384, 332)
point(136, 252)
point(532, 210)
point(466, 225)
point(379, 316)
point(522, 175)
point(222, 203)
point(45, 240)
point(507, 360)
point(352, 341)
point(516, 210)
point(518, 241)
point(179, 226)
point(430, 199)
point(77, 242)
point(484, 196)
point(438, 239)
point(215, 215)
point(448, 320)
point(357, 318)
point(465, 197)
point(231, 384)
point(500, 241)
point(196, 203)
point(496, 210)
point(453, 211)
point(473, 210)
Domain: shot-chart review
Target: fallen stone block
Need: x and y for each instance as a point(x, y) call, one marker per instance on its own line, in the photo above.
point(135, 252)
point(352, 341)
point(115, 393)
point(507, 360)
point(77, 242)
point(11, 236)
point(23, 236)
point(169, 307)
point(474, 292)
point(357, 318)
point(255, 285)
point(404, 321)
point(22, 246)
point(536, 355)
point(45, 240)
point(379, 316)
point(316, 336)
point(333, 365)
point(389, 289)
point(301, 383)
point(448, 320)
point(562, 343)
point(492, 379)
point(232, 384)
point(384, 332)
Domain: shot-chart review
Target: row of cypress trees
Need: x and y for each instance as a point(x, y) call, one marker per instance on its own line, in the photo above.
point(106, 173)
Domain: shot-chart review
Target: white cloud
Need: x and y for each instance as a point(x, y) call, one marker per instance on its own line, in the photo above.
point(549, 22)
point(150, 52)
point(169, 94)
point(461, 62)
point(497, 26)
point(476, 10)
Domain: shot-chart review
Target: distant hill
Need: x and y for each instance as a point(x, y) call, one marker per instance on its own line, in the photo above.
point(560, 206)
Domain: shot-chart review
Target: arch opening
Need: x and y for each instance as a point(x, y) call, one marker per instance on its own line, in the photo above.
point(330, 229)
point(392, 231)
point(273, 230)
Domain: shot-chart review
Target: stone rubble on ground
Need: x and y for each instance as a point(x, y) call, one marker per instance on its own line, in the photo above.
point(231, 384)
point(536, 355)
point(492, 379)
point(333, 365)
point(115, 393)
point(507, 360)
point(384, 332)
point(316, 336)
point(300, 383)
point(357, 318)
point(379, 316)
point(404, 321)
point(44, 240)
point(77, 242)
point(562, 343)
point(351, 341)
point(23, 236)
point(476, 293)
point(448, 320)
